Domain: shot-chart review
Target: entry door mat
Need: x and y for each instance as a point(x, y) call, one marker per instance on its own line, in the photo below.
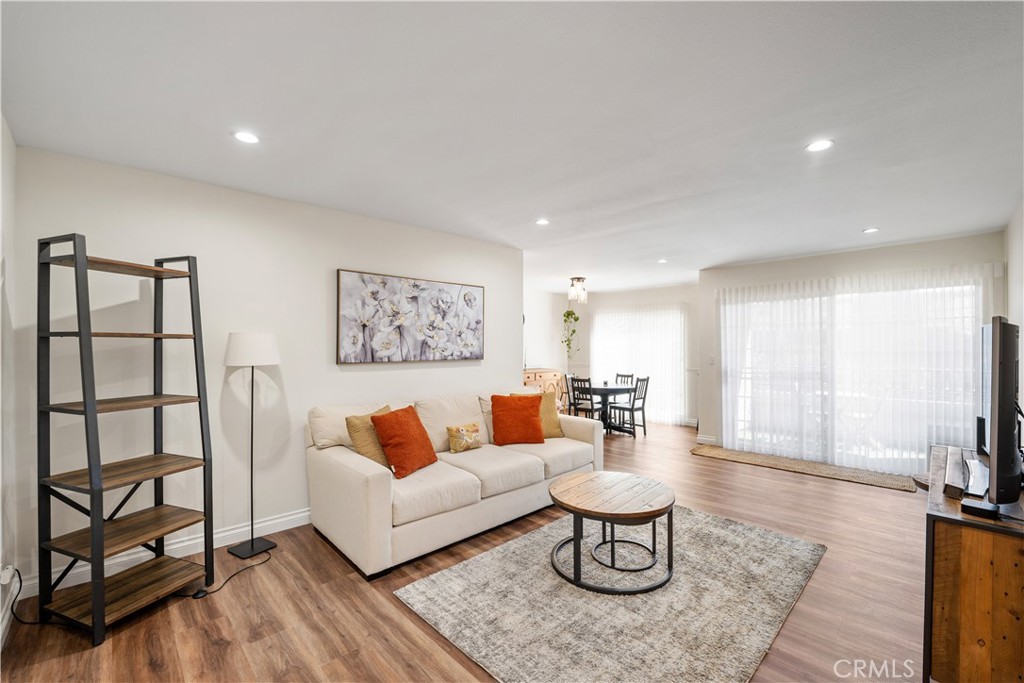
point(899, 482)
point(732, 588)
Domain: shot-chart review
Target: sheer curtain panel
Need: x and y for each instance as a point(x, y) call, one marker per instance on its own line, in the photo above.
point(862, 371)
point(645, 341)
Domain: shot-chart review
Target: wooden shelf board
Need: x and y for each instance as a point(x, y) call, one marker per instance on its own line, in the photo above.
point(125, 472)
point(127, 591)
point(125, 533)
point(121, 267)
point(125, 335)
point(111, 405)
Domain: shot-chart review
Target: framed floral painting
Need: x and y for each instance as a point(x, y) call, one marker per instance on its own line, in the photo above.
point(389, 319)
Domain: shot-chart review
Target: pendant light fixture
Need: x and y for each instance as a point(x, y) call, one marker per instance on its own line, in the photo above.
point(577, 292)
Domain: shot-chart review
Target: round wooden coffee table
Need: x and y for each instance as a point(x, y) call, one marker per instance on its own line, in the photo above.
point(612, 498)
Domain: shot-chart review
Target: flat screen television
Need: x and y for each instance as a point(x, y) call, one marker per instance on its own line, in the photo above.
point(999, 429)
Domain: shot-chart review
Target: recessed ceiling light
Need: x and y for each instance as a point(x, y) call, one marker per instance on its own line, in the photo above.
point(245, 136)
point(543, 221)
point(663, 260)
point(868, 231)
point(819, 145)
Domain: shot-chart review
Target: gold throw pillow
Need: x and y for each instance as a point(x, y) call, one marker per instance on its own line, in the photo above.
point(364, 436)
point(464, 437)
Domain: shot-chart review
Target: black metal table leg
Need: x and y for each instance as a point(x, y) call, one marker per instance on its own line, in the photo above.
point(577, 541)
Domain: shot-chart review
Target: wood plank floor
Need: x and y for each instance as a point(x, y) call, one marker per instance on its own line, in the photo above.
point(307, 615)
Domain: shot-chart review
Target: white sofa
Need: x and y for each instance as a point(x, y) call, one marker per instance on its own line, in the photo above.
point(378, 521)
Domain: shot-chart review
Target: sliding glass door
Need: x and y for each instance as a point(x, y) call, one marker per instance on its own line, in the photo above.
point(862, 371)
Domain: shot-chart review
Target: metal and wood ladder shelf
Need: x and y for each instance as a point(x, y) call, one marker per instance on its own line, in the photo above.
point(105, 599)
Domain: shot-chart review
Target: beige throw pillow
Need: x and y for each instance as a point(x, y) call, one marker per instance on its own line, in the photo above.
point(464, 437)
point(549, 416)
point(548, 413)
point(364, 436)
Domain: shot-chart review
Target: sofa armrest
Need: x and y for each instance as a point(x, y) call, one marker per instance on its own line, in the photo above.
point(350, 504)
point(586, 430)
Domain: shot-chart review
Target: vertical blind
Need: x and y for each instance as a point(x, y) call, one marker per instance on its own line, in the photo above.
point(861, 371)
point(644, 341)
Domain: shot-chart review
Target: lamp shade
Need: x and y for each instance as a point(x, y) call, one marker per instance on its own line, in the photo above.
point(251, 348)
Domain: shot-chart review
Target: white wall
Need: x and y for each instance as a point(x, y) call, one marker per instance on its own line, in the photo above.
point(264, 264)
point(686, 296)
point(986, 248)
point(7, 504)
point(1015, 272)
point(542, 329)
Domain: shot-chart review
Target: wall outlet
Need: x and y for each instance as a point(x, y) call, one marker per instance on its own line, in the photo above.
point(6, 574)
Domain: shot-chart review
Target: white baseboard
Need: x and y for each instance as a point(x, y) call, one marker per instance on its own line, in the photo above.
point(180, 547)
point(708, 439)
point(690, 422)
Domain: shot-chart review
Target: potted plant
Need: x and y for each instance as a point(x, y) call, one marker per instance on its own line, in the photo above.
point(569, 339)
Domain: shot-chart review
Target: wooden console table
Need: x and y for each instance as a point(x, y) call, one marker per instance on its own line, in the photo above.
point(974, 590)
point(546, 379)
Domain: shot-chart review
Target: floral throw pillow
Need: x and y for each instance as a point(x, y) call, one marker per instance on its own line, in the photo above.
point(464, 437)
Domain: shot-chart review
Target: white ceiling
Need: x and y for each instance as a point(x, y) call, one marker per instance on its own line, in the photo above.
point(642, 130)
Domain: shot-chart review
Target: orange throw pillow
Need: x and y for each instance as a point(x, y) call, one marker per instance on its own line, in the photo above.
point(517, 419)
point(405, 441)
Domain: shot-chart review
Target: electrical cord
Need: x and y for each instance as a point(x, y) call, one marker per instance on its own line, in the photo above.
point(30, 623)
point(202, 592)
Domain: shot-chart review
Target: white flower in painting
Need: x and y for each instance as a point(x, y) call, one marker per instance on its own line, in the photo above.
point(412, 289)
point(396, 312)
point(366, 314)
point(374, 292)
point(446, 349)
point(351, 338)
point(469, 298)
point(464, 337)
point(386, 343)
point(441, 301)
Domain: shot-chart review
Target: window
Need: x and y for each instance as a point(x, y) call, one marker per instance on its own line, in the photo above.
point(645, 341)
point(861, 371)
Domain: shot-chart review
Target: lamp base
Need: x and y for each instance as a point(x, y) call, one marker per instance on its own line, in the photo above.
point(247, 549)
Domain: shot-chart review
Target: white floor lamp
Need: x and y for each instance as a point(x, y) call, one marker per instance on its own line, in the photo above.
point(251, 349)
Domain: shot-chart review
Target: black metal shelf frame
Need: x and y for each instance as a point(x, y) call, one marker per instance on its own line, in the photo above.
point(46, 492)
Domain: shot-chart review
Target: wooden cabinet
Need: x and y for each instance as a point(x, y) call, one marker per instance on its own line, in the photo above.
point(974, 590)
point(547, 379)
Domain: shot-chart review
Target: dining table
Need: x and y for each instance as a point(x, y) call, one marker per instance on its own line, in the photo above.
point(606, 392)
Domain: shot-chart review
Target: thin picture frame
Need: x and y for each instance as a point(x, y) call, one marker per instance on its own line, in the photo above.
point(395, 319)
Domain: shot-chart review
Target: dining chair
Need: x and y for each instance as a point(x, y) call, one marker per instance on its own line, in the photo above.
point(583, 398)
point(621, 378)
point(625, 415)
point(566, 391)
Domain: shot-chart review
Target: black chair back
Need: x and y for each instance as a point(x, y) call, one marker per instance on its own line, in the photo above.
point(581, 392)
point(567, 391)
point(623, 379)
point(640, 393)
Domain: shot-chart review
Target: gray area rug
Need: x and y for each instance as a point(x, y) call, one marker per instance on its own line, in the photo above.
point(732, 588)
point(898, 482)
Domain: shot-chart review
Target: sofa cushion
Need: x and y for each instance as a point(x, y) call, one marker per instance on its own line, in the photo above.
point(327, 423)
point(404, 440)
point(437, 414)
point(516, 419)
point(430, 491)
point(498, 469)
point(559, 455)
